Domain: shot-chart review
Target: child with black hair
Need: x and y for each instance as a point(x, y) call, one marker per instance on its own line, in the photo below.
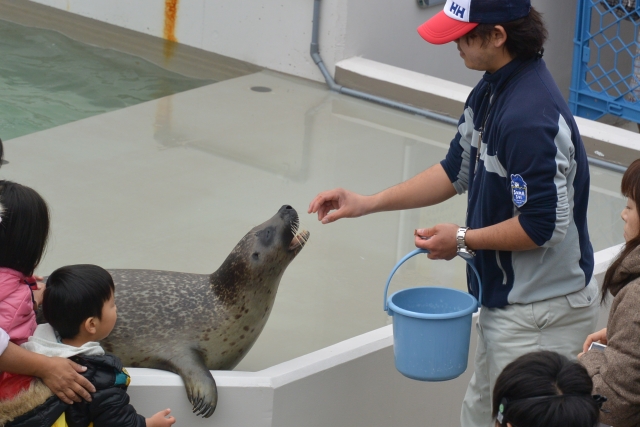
point(544, 388)
point(24, 229)
point(79, 304)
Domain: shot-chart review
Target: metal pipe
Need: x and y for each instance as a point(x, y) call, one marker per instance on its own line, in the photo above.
point(315, 54)
point(606, 165)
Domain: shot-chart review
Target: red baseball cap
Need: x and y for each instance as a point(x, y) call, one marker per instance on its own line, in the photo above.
point(461, 16)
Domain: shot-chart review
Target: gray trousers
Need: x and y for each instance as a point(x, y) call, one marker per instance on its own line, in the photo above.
point(559, 324)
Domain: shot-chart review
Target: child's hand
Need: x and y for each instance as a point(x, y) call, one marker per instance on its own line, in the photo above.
point(600, 336)
point(161, 419)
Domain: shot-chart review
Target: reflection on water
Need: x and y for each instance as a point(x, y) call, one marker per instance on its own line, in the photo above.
point(48, 79)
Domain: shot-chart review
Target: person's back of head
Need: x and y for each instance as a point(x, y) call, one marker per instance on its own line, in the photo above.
point(544, 388)
point(73, 294)
point(24, 227)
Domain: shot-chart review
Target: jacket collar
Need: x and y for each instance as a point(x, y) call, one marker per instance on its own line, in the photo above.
point(505, 74)
point(628, 270)
point(108, 360)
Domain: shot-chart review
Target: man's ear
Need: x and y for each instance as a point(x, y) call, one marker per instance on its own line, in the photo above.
point(90, 325)
point(499, 36)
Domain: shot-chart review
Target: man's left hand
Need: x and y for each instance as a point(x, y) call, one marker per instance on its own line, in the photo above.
point(439, 240)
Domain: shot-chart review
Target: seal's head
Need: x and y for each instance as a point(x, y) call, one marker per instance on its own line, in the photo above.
point(279, 231)
point(261, 257)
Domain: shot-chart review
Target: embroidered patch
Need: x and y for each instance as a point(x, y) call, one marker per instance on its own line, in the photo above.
point(122, 378)
point(518, 190)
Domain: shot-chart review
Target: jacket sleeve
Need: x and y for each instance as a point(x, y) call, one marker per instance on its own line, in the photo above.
point(616, 370)
point(457, 162)
point(4, 341)
point(111, 408)
point(539, 154)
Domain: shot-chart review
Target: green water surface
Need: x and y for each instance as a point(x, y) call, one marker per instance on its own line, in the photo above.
point(48, 79)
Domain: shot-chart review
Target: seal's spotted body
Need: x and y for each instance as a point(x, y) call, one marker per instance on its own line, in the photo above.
point(191, 323)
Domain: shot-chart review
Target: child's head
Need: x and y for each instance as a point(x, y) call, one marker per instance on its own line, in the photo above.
point(630, 188)
point(544, 388)
point(78, 297)
point(24, 227)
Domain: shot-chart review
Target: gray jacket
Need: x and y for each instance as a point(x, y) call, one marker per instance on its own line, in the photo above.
point(616, 370)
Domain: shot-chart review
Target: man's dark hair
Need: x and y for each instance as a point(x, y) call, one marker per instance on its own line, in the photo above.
point(24, 227)
point(73, 294)
point(525, 36)
point(544, 388)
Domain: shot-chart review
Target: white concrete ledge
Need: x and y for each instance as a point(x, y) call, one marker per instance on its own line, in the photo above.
point(601, 141)
point(409, 79)
point(604, 258)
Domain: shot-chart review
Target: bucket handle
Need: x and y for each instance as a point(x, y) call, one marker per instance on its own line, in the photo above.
point(426, 251)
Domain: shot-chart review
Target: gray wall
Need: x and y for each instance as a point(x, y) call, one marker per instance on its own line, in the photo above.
point(276, 34)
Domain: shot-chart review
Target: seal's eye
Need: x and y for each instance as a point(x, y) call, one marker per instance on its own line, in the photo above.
point(255, 256)
point(266, 236)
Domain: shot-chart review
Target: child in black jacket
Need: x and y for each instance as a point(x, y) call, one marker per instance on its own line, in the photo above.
point(80, 307)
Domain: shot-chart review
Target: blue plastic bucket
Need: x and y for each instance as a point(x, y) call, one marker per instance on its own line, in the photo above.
point(431, 328)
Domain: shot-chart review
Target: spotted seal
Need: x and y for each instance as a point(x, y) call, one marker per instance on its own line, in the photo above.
point(191, 323)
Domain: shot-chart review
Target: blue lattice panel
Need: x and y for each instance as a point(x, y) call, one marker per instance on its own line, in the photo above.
point(606, 60)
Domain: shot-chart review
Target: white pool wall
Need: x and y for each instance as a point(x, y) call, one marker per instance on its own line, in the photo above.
point(276, 34)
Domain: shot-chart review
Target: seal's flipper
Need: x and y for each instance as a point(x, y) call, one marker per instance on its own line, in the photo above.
point(198, 381)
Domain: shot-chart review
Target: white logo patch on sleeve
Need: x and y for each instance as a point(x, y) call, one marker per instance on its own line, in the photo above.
point(518, 190)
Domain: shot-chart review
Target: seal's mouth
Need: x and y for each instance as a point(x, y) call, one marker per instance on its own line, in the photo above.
point(299, 240)
point(300, 237)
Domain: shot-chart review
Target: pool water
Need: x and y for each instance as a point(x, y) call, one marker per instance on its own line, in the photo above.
point(173, 184)
point(48, 79)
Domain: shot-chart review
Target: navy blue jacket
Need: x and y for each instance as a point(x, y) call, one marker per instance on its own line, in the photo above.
point(531, 165)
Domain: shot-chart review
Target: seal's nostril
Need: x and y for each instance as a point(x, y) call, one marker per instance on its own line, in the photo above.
point(288, 207)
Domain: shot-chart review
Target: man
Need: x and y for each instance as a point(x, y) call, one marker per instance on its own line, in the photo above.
point(519, 156)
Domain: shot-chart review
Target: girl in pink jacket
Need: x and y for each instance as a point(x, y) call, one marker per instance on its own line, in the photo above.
point(24, 229)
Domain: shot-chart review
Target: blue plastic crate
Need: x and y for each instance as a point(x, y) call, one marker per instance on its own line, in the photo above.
point(606, 60)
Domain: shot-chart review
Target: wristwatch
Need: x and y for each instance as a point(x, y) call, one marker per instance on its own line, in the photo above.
point(463, 250)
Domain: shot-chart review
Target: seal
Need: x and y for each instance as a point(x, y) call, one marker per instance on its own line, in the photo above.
point(192, 323)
